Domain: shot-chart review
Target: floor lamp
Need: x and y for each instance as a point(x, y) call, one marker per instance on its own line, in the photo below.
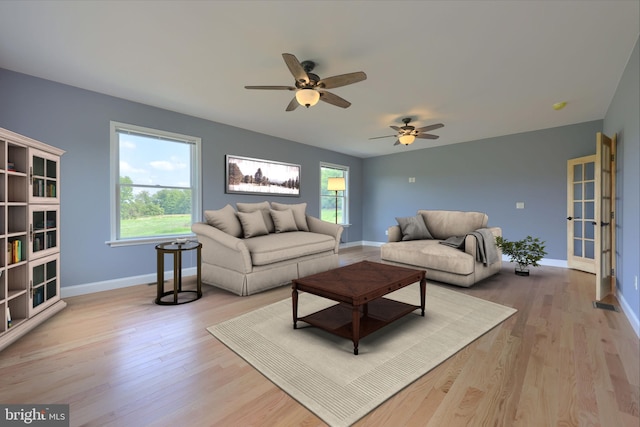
point(336, 184)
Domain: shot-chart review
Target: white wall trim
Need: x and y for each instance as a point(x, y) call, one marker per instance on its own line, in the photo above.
point(124, 282)
point(635, 323)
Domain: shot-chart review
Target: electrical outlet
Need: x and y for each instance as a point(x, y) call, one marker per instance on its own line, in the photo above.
point(386, 233)
point(636, 282)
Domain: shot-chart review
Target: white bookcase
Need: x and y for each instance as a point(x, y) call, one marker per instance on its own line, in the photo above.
point(29, 234)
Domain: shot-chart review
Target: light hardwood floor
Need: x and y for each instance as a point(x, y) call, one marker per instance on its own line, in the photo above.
point(120, 360)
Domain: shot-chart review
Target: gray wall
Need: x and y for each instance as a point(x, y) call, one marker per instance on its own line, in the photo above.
point(77, 121)
point(622, 119)
point(488, 175)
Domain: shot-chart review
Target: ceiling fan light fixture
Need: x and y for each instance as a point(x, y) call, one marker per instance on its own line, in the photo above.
point(307, 97)
point(406, 139)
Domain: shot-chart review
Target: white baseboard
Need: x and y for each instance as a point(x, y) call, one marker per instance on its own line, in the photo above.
point(107, 285)
point(633, 319)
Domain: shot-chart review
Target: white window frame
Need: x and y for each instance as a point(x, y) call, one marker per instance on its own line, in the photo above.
point(196, 180)
point(345, 193)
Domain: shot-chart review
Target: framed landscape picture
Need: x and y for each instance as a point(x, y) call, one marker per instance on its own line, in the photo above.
point(255, 176)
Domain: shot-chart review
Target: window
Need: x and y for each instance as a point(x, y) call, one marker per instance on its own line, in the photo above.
point(155, 184)
point(333, 204)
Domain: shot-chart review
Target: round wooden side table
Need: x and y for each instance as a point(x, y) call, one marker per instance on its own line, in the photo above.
point(176, 249)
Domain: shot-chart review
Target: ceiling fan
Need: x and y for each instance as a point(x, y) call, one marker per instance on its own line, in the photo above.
point(310, 88)
point(407, 133)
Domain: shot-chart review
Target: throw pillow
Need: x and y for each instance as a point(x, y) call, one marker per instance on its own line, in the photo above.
point(299, 213)
point(284, 221)
point(263, 207)
point(413, 228)
point(253, 223)
point(225, 219)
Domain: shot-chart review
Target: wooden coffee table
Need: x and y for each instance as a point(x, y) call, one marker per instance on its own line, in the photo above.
point(359, 289)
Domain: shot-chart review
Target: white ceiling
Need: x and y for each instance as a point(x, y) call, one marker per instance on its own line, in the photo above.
point(483, 68)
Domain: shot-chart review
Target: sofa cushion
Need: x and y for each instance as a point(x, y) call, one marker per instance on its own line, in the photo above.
point(224, 219)
point(273, 248)
point(283, 220)
point(252, 223)
point(444, 224)
point(413, 228)
point(429, 254)
point(299, 213)
point(263, 207)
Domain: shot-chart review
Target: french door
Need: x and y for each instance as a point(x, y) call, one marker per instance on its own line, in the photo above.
point(591, 214)
point(605, 219)
point(581, 213)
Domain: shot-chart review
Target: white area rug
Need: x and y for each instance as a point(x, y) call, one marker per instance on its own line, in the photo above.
point(321, 372)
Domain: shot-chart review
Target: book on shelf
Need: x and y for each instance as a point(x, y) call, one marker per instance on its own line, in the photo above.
point(8, 317)
point(14, 251)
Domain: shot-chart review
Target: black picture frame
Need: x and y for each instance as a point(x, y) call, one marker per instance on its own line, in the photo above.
point(246, 175)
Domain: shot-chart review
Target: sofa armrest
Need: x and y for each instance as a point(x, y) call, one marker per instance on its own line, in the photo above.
point(470, 242)
point(317, 225)
point(394, 234)
point(222, 249)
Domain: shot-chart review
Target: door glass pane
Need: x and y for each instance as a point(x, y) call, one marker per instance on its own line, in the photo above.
point(589, 210)
point(577, 229)
point(589, 249)
point(577, 247)
point(589, 190)
point(577, 191)
point(38, 275)
point(38, 296)
point(38, 220)
point(589, 230)
point(38, 166)
point(577, 173)
point(51, 169)
point(590, 171)
point(52, 271)
point(577, 210)
point(52, 289)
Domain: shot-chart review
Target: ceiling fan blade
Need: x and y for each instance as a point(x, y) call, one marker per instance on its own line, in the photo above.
point(293, 104)
point(396, 128)
point(379, 137)
point(397, 142)
point(334, 99)
point(271, 87)
point(342, 80)
point(427, 136)
point(295, 67)
point(430, 127)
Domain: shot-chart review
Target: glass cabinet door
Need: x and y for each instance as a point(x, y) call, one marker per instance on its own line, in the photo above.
point(43, 230)
point(44, 172)
point(44, 284)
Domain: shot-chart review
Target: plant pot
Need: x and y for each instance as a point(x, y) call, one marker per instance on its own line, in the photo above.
point(523, 272)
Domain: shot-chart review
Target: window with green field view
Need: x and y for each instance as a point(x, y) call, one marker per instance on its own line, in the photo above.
point(333, 203)
point(155, 183)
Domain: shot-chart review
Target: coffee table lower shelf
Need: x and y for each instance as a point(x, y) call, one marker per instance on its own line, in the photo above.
point(378, 313)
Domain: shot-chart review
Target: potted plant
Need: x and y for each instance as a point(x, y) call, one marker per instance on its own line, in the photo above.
point(526, 252)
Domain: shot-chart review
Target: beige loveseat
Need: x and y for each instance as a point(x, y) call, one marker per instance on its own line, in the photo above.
point(262, 246)
point(456, 248)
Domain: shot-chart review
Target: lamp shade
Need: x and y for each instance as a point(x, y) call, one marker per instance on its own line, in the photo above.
point(406, 139)
point(307, 97)
point(336, 184)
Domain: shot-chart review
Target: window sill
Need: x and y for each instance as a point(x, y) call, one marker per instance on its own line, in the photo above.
point(147, 240)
